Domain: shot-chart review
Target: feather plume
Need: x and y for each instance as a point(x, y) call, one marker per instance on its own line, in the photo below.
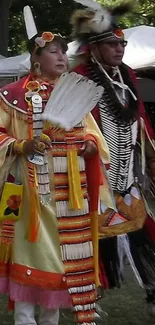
point(29, 22)
point(96, 19)
point(122, 9)
point(73, 97)
point(90, 4)
point(89, 21)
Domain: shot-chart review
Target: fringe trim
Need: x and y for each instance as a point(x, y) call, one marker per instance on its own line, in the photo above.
point(81, 161)
point(77, 251)
point(51, 299)
point(4, 285)
point(43, 181)
point(62, 209)
point(80, 281)
point(61, 166)
point(124, 250)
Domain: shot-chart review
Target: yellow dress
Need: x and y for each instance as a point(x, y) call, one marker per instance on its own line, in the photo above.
point(37, 272)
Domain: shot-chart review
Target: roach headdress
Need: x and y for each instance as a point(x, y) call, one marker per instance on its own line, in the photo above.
point(95, 23)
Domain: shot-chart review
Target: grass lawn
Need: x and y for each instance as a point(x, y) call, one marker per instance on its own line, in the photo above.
point(125, 306)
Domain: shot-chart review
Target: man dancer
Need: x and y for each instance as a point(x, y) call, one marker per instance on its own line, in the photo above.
point(120, 115)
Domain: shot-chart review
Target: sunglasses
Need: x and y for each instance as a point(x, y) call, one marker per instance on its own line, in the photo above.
point(123, 43)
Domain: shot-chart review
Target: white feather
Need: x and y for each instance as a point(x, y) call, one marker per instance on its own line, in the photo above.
point(73, 97)
point(102, 18)
point(101, 21)
point(90, 4)
point(29, 22)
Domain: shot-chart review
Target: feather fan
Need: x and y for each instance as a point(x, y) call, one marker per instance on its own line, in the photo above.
point(73, 97)
point(29, 22)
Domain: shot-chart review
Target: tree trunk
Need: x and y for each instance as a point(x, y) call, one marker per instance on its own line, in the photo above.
point(4, 26)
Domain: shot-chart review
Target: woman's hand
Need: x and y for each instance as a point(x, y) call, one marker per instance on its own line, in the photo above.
point(89, 149)
point(38, 145)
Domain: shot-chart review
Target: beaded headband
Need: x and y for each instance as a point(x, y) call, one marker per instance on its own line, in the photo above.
point(115, 33)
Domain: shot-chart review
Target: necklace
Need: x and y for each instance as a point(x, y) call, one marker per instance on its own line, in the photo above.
point(44, 80)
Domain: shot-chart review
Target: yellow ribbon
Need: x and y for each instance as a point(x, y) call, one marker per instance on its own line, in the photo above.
point(75, 191)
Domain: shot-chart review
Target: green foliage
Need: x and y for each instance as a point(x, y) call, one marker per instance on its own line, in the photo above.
point(143, 12)
point(50, 15)
point(54, 15)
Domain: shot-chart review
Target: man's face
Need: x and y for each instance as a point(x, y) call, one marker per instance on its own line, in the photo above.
point(110, 52)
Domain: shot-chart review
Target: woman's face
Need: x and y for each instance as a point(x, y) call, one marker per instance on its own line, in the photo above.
point(53, 60)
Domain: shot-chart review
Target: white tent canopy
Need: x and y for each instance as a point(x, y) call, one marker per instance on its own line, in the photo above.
point(15, 66)
point(139, 53)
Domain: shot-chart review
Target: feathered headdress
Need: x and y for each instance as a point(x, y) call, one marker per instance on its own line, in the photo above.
point(40, 41)
point(29, 22)
point(96, 23)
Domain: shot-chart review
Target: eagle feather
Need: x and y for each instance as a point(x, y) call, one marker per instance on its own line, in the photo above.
point(29, 22)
